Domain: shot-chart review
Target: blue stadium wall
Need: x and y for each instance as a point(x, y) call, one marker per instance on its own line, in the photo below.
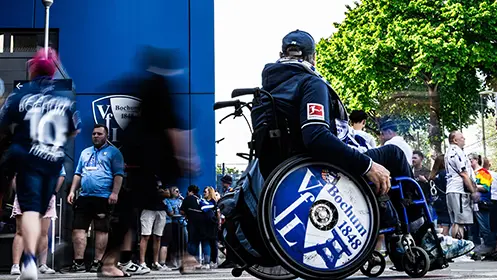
point(98, 41)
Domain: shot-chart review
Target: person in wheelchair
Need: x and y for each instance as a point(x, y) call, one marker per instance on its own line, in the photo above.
point(314, 121)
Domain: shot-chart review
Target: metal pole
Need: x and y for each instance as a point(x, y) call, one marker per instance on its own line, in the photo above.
point(47, 20)
point(60, 221)
point(52, 247)
point(47, 4)
point(483, 127)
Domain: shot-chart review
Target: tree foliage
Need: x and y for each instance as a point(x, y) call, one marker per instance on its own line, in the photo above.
point(227, 170)
point(417, 58)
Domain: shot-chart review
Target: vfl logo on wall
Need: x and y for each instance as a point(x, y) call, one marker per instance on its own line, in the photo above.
point(115, 112)
point(321, 219)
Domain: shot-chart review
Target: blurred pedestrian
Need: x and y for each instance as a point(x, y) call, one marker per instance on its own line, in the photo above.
point(154, 144)
point(45, 119)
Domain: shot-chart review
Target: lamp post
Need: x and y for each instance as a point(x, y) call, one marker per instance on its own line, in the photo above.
point(47, 4)
point(482, 93)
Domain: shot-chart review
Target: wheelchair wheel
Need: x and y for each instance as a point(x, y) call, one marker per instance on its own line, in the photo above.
point(375, 265)
point(417, 263)
point(320, 221)
point(270, 273)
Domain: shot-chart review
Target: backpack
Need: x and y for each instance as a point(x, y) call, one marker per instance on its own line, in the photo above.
point(240, 230)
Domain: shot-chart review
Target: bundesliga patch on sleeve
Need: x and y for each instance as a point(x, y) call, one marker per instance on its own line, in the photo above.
point(315, 111)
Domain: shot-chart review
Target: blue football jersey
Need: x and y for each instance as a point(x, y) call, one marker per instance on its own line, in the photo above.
point(44, 115)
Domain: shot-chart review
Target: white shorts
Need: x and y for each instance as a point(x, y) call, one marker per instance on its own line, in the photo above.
point(155, 220)
point(50, 214)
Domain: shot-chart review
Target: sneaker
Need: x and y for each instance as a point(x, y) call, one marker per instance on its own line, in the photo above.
point(463, 258)
point(226, 264)
point(491, 257)
point(29, 269)
point(214, 265)
point(74, 268)
point(96, 266)
point(145, 268)
point(44, 269)
point(159, 267)
point(132, 268)
point(15, 270)
point(205, 267)
point(483, 249)
point(452, 248)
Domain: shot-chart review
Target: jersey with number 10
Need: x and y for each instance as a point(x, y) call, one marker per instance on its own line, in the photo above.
point(43, 115)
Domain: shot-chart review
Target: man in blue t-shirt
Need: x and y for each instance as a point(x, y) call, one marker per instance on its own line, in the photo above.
point(100, 173)
point(43, 117)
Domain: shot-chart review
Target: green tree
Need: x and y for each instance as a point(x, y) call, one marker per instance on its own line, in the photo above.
point(415, 57)
point(227, 170)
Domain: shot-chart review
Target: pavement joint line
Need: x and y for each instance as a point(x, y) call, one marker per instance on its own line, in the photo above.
point(473, 270)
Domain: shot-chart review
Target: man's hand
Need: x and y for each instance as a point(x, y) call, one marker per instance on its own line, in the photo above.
point(475, 196)
point(113, 198)
point(70, 198)
point(422, 178)
point(380, 177)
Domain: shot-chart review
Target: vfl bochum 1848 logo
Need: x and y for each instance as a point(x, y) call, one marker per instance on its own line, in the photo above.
point(115, 112)
point(320, 219)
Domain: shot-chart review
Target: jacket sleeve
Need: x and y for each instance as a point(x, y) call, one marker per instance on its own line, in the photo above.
point(317, 136)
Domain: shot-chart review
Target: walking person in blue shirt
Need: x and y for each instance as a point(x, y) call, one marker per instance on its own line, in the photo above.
point(44, 118)
point(100, 173)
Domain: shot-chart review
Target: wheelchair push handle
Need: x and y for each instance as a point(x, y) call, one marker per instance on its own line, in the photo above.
point(224, 104)
point(244, 91)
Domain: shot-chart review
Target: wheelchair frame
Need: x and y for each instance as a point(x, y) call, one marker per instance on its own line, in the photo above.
point(412, 255)
point(377, 259)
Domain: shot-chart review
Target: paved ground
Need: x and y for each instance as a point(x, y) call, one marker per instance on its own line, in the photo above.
point(460, 271)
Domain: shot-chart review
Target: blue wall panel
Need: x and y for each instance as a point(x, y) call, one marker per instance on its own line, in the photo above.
point(99, 39)
point(204, 138)
point(98, 43)
point(17, 13)
point(202, 48)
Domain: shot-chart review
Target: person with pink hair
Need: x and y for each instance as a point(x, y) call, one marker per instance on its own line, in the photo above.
point(44, 117)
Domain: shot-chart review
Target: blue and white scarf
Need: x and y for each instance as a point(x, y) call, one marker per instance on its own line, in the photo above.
point(344, 131)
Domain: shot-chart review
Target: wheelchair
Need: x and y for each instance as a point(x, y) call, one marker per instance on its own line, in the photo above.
point(310, 219)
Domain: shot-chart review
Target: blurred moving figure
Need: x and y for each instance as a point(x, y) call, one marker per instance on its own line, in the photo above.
point(44, 118)
point(156, 148)
point(17, 246)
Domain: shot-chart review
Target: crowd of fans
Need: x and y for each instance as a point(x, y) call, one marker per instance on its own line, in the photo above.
point(460, 188)
point(189, 223)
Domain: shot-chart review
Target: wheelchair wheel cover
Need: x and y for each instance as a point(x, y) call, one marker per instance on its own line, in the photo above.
point(270, 273)
point(312, 225)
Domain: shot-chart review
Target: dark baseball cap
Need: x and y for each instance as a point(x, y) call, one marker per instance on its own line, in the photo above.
point(227, 179)
point(301, 39)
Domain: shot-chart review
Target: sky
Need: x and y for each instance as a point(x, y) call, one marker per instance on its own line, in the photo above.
point(248, 35)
